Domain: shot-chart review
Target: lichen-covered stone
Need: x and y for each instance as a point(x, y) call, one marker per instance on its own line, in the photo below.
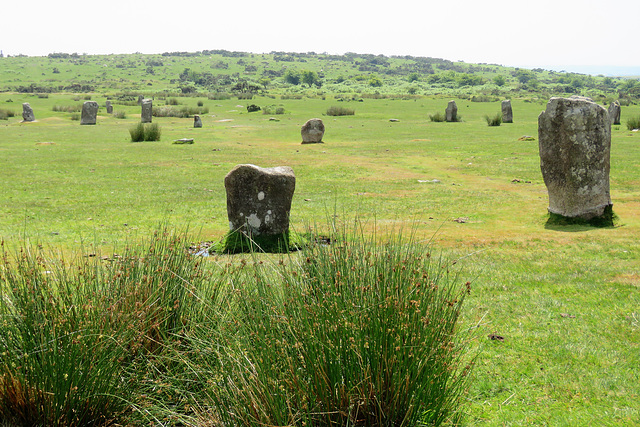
point(197, 121)
point(451, 112)
point(147, 111)
point(27, 113)
point(312, 131)
point(507, 112)
point(89, 113)
point(614, 112)
point(109, 107)
point(259, 199)
point(574, 137)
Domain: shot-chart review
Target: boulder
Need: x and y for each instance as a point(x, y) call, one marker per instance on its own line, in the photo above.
point(574, 138)
point(312, 131)
point(109, 107)
point(197, 121)
point(451, 112)
point(614, 112)
point(147, 111)
point(259, 199)
point(89, 113)
point(507, 112)
point(27, 113)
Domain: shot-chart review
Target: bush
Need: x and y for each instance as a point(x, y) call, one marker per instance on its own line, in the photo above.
point(5, 114)
point(184, 112)
point(172, 101)
point(67, 108)
point(437, 117)
point(633, 123)
point(272, 109)
point(218, 96)
point(120, 114)
point(495, 120)
point(200, 103)
point(145, 132)
point(340, 111)
point(252, 108)
point(75, 116)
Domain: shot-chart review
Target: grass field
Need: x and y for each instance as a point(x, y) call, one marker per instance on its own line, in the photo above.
point(565, 299)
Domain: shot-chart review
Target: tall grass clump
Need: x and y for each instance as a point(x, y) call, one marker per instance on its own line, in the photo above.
point(145, 132)
point(67, 108)
point(5, 114)
point(340, 111)
point(494, 120)
point(353, 333)
point(80, 344)
point(633, 123)
point(437, 117)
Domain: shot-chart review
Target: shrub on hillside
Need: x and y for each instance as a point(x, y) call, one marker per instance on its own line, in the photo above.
point(340, 111)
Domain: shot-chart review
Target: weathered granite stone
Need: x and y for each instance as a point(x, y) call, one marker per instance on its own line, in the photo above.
point(259, 199)
point(147, 111)
point(89, 113)
point(312, 131)
point(140, 98)
point(574, 138)
point(109, 107)
point(614, 112)
point(507, 112)
point(27, 113)
point(451, 112)
point(197, 121)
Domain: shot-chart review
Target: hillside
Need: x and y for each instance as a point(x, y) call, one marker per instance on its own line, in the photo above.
point(220, 73)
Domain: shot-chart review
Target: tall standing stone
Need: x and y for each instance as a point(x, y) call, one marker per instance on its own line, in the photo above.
point(312, 131)
point(147, 111)
point(507, 112)
point(574, 137)
point(197, 121)
point(451, 113)
point(259, 199)
point(109, 107)
point(89, 113)
point(140, 98)
point(614, 112)
point(27, 113)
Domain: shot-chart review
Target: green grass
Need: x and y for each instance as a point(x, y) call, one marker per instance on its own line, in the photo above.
point(93, 187)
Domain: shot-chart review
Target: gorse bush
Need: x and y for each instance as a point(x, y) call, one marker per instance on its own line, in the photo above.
point(495, 120)
point(633, 123)
point(340, 111)
point(145, 132)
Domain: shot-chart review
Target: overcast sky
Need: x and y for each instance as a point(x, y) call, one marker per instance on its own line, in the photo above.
point(550, 34)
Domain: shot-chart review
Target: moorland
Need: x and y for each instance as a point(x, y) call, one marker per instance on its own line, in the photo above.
point(551, 320)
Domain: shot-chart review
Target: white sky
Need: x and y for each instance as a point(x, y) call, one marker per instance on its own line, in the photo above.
point(549, 34)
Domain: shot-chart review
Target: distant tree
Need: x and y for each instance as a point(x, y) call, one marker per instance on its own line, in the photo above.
point(375, 81)
point(264, 81)
point(499, 80)
point(292, 77)
point(413, 77)
point(309, 77)
point(524, 76)
point(412, 90)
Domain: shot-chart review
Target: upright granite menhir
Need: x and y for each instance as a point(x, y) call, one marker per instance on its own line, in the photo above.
point(575, 142)
point(146, 114)
point(89, 113)
point(259, 199)
point(27, 113)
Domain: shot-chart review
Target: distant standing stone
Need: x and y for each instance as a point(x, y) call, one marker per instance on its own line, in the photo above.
point(89, 113)
point(147, 111)
point(614, 112)
point(451, 113)
point(109, 107)
point(27, 113)
point(312, 131)
point(574, 137)
point(197, 122)
point(507, 112)
point(259, 199)
point(140, 98)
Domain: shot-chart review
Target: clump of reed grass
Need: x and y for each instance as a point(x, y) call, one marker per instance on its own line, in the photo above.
point(437, 117)
point(340, 111)
point(633, 123)
point(67, 108)
point(5, 114)
point(120, 114)
point(145, 132)
point(184, 112)
point(273, 110)
point(495, 120)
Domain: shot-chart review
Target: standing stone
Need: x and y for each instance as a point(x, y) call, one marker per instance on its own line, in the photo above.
point(109, 107)
point(451, 113)
point(197, 122)
point(140, 98)
point(89, 113)
point(574, 137)
point(259, 199)
point(507, 112)
point(27, 113)
point(147, 111)
point(312, 131)
point(614, 112)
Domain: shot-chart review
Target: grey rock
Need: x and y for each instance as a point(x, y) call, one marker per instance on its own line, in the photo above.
point(574, 138)
point(312, 131)
point(259, 199)
point(614, 112)
point(507, 112)
point(89, 113)
point(451, 112)
point(27, 113)
point(147, 111)
point(197, 121)
point(109, 107)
